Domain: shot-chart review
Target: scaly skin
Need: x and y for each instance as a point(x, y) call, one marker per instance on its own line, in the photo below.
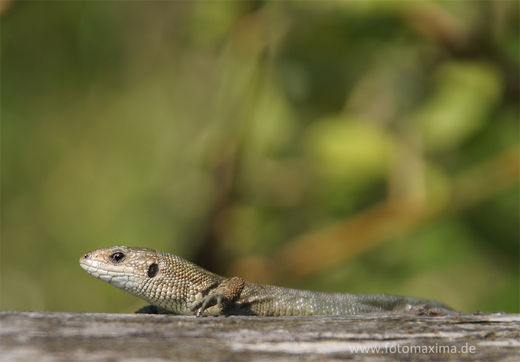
point(175, 285)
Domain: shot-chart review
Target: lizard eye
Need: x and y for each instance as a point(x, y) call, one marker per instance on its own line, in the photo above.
point(117, 257)
point(152, 270)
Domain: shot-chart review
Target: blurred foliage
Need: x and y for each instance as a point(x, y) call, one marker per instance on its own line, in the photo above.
point(349, 146)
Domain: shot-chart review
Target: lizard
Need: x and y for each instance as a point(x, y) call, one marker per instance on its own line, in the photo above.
point(174, 285)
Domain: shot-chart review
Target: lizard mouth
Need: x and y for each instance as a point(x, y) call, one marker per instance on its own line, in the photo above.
point(98, 268)
point(107, 273)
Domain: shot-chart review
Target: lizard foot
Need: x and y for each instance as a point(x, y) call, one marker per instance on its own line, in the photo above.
point(424, 310)
point(222, 296)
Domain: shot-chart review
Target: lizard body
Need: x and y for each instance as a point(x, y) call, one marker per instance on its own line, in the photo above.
point(175, 285)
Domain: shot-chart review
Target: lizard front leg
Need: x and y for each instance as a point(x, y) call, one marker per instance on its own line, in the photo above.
point(223, 295)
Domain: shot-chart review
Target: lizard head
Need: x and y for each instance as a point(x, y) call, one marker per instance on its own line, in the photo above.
point(127, 268)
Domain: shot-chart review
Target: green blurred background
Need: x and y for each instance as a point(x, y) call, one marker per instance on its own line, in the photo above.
point(356, 146)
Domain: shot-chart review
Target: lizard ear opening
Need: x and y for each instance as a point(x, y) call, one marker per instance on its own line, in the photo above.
point(152, 270)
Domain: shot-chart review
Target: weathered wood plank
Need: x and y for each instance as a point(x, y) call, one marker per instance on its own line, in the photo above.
point(46, 336)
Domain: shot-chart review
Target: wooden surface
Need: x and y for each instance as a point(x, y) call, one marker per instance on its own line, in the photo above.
point(46, 336)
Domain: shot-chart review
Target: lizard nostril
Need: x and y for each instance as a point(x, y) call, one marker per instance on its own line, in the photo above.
point(86, 256)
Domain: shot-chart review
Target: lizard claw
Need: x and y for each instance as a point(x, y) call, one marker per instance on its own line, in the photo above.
point(222, 295)
point(207, 302)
